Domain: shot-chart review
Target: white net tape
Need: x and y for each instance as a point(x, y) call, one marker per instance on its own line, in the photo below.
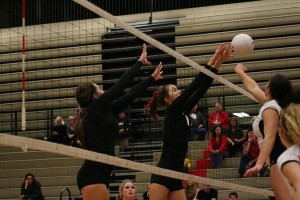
point(25, 143)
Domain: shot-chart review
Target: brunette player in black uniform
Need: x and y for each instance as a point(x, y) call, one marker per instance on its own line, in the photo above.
point(176, 125)
point(97, 125)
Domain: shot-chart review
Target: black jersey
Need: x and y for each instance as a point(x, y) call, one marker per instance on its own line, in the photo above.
point(177, 129)
point(102, 125)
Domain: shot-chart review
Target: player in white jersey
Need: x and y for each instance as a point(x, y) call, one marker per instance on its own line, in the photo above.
point(265, 125)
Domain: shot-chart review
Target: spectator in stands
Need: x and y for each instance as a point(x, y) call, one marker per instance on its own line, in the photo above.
point(71, 133)
point(218, 147)
point(233, 196)
point(124, 125)
point(59, 131)
point(97, 125)
point(146, 194)
point(198, 130)
point(235, 136)
point(127, 191)
point(265, 126)
point(218, 117)
point(250, 153)
point(191, 190)
point(31, 188)
point(289, 161)
point(207, 193)
point(176, 125)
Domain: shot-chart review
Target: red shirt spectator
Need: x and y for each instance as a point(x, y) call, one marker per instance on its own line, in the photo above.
point(218, 144)
point(250, 154)
point(218, 117)
point(253, 151)
point(218, 147)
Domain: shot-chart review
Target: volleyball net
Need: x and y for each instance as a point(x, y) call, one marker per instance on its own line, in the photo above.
point(59, 56)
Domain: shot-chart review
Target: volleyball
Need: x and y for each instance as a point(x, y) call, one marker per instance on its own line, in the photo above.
point(243, 45)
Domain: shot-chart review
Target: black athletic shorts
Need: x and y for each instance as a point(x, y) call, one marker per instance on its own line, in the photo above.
point(170, 183)
point(277, 150)
point(93, 173)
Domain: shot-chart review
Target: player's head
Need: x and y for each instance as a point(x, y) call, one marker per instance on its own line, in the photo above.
point(279, 88)
point(290, 124)
point(164, 96)
point(86, 93)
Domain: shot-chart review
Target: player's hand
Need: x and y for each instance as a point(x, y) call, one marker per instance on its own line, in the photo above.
point(157, 74)
point(217, 55)
point(252, 171)
point(240, 68)
point(143, 57)
point(226, 54)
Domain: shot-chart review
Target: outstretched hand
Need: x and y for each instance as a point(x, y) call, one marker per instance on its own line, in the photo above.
point(252, 171)
point(226, 54)
point(157, 74)
point(143, 57)
point(240, 68)
point(222, 54)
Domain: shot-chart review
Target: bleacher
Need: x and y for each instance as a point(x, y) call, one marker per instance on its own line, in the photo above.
point(58, 60)
point(273, 26)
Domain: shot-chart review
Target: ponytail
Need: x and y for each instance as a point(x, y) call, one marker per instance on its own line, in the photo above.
point(80, 118)
point(157, 100)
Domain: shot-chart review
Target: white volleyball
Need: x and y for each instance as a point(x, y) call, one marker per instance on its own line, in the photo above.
point(243, 45)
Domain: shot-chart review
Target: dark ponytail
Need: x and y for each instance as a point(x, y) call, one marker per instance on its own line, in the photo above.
point(84, 93)
point(80, 118)
point(157, 100)
point(281, 90)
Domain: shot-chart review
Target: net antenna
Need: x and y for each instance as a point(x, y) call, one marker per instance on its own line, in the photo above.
point(23, 112)
point(160, 46)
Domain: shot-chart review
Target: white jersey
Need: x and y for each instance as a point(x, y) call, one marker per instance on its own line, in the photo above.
point(258, 121)
point(292, 154)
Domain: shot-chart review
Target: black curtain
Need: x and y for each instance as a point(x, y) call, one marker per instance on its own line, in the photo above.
point(49, 11)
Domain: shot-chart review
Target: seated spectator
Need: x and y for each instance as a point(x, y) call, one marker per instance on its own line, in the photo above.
point(235, 137)
point(198, 130)
point(59, 131)
point(191, 190)
point(71, 133)
point(218, 147)
point(31, 188)
point(250, 153)
point(146, 194)
point(233, 196)
point(127, 191)
point(218, 118)
point(207, 193)
point(124, 125)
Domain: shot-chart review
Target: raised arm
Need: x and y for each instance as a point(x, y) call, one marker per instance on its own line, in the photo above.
point(270, 118)
point(123, 101)
point(250, 85)
point(126, 78)
point(196, 90)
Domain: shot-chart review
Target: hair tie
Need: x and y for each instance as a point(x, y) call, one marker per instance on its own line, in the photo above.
point(150, 102)
point(80, 111)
